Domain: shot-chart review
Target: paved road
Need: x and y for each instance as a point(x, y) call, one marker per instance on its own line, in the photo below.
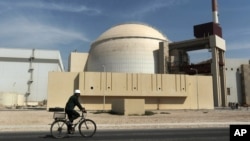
point(201, 134)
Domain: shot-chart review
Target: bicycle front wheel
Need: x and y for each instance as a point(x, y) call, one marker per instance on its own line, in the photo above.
point(87, 128)
point(59, 129)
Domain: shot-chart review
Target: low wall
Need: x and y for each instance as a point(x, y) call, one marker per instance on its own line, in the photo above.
point(129, 106)
point(160, 91)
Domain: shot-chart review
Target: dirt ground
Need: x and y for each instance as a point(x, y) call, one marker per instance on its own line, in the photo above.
point(40, 119)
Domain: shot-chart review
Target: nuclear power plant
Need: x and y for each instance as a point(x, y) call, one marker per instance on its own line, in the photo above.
point(136, 63)
point(132, 67)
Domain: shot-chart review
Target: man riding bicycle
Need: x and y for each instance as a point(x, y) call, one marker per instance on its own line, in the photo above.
point(69, 108)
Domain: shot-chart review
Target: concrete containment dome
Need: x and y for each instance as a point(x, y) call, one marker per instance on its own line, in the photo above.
point(131, 30)
point(130, 47)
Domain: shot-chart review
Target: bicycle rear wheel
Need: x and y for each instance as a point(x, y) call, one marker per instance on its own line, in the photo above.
point(59, 129)
point(87, 128)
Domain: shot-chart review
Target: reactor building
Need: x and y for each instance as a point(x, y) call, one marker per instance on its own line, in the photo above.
point(132, 67)
point(133, 62)
point(128, 48)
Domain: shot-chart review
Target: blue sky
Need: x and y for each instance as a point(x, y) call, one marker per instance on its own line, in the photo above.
point(69, 25)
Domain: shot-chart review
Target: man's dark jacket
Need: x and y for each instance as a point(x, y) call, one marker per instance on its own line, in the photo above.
point(72, 102)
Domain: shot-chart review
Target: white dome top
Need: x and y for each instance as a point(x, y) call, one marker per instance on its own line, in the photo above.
point(129, 48)
point(131, 30)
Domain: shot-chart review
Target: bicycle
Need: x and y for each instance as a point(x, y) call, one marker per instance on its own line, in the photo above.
point(60, 127)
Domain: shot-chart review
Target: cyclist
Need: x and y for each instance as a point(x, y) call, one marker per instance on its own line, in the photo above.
point(70, 105)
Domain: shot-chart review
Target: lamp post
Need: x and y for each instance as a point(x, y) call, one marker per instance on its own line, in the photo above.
point(103, 68)
point(196, 74)
point(104, 98)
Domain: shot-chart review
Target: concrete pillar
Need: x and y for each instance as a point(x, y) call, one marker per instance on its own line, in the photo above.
point(216, 76)
point(219, 80)
point(163, 58)
point(222, 77)
point(218, 47)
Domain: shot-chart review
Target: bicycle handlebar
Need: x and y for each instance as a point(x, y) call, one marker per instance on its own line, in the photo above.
point(84, 112)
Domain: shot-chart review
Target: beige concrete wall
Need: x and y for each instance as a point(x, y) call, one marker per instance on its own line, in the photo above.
point(134, 106)
point(77, 61)
point(160, 91)
point(118, 106)
point(205, 100)
point(130, 84)
point(60, 87)
point(128, 106)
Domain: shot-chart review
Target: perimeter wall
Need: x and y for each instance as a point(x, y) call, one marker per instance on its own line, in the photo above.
point(160, 91)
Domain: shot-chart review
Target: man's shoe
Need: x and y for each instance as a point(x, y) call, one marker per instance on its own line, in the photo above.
point(71, 131)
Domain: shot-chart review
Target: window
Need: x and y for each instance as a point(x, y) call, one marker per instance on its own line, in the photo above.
point(228, 91)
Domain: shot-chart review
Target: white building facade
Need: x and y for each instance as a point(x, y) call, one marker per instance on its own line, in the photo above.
point(234, 80)
point(25, 72)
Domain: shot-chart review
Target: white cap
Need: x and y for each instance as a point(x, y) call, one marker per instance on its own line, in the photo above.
point(77, 91)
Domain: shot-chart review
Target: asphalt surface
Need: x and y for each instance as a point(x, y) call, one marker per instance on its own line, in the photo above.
point(192, 134)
